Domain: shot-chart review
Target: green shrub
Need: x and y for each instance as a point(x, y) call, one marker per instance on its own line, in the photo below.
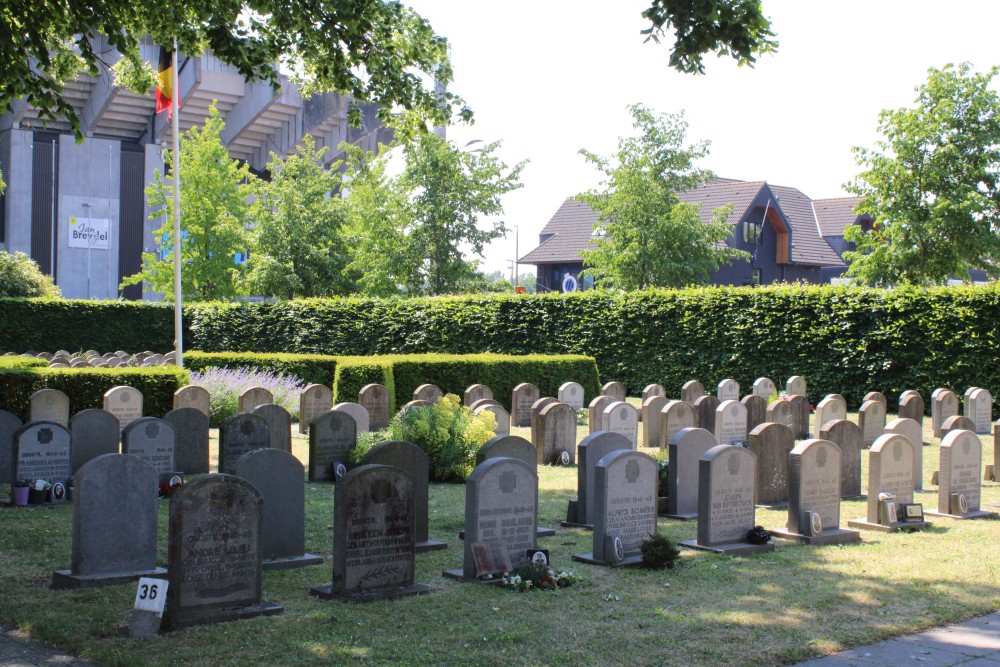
point(658, 552)
point(20, 276)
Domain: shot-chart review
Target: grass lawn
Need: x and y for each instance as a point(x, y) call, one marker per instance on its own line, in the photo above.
point(778, 608)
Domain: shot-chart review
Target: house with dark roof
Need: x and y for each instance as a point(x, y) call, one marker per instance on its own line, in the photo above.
point(780, 227)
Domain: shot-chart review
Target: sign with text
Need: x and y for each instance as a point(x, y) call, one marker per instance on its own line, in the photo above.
point(151, 595)
point(89, 233)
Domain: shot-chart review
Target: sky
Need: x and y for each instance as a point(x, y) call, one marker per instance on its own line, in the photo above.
point(549, 77)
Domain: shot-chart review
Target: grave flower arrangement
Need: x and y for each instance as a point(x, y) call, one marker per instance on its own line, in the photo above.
point(168, 489)
point(531, 576)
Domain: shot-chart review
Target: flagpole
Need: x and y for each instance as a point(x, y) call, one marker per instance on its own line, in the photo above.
point(175, 127)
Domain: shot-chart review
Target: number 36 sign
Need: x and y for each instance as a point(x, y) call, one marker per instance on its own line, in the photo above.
point(152, 595)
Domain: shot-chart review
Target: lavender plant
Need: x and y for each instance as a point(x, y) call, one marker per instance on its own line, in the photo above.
point(225, 384)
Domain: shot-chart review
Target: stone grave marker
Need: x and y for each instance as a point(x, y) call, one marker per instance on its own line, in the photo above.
point(499, 505)
point(959, 488)
point(944, 404)
point(476, 392)
point(890, 471)
point(800, 415)
point(764, 387)
point(514, 447)
point(652, 408)
point(686, 449)
point(846, 435)
point(590, 450)
point(241, 433)
point(653, 390)
point(359, 413)
point(595, 410)
point(556, 433)
point(500, 414)
point(522, 398)
point(252, 397)
point(42, 450)
point(332, 436)
point(125, 403)
point(280, 479)
point(911, 406)
point(49, 405)
point(193, 396)
point(427, 392)
point(771, 444)
point(782, 412)
point(191, 428)
point(615, 390)
point(215, 553)
point(991, 472)
point(871, 419)
point(621, 417)
point(314, 400)
point(9, 423)
point(536, 411)
point(877, 396)
point(95, 432)
point(829, 409)
point(375, 399)
point(114, 523)
point(675, 416)
point(731, 423)
point(814, 489)
point(726, 510)
point(483, 402)
point(152, 440)
point(691, 391)
point(413, 461)
point(624, 513)
point(957, 423)
point(279, 425)
point(911, 431)
point(571, 393)
point(728, 390)
point(756, 411)
point(979, 408)
point(704, 409)
point(796, 386)
point(416, 404)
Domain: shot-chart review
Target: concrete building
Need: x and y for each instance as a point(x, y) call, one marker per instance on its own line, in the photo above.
point(55, 185)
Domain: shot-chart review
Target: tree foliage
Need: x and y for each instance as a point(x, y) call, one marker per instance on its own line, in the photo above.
point(20, 276)
point(645, 236)
point(931, 185)
point(214, 217)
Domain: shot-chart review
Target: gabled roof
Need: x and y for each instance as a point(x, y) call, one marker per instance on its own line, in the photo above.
point(566, 234)
point(722, 191)
point(808, 247)
point(835, 215)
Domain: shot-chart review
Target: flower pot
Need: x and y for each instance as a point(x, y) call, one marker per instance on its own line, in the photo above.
point(36, 497)
point(19, 495)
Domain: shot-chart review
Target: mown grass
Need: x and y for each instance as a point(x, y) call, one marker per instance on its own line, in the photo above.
point(778, 608)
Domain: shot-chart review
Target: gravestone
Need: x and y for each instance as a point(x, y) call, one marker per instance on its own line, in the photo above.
point(427, 392)
point(536, 411)
point(800, 415)
point(871, 419)
point(483, 402)
point(782, 412)
point(979, 408)
point(590, 450)
point(125, 403)
point(846, 435)
point(476, 392)
point(877, 396)
point(615, 390)
point(522, 398)
point(253, 396)
point(114, 524)
point(191, 451)
point(756, 411)
point(686, 449)
point(332, 436)
point(571, 393)
point(726, 510)
point(280, 479)
point(518, 448)
point(214, 551)
point(691, 391)
point(375, 399)
point(958, 477)
point(361, 419)
point(652, 407)
point(944, 404)
point(95, 432)
point(621, 417)
point(829, 409)
point(240, 434)
point(704, 409)
point(42, 450)
point(653, 390)
point(796, 386)
point(194, 396)
point(674, 417)
point(764, 387)
point(413, 461)
point(556, 433)
point(416, 404)
point(911, 406)
point(731, 423)
point(814, 489)
point(728, 390)
point(9, 423)
point(624, 513)
point(499, 505)
point(279, 425)
point(890, 471)
point(911, 431)
point(49, 405)
point(373, 537)
point(595, 410)
point(957, 423)
point(500, 414)
point(314, 400)
point(771, 444)
point(153, 441)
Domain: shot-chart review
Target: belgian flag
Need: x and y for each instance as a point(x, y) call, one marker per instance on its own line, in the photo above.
point(165, 81)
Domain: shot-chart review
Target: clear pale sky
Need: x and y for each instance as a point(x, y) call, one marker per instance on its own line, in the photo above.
point(549, 77)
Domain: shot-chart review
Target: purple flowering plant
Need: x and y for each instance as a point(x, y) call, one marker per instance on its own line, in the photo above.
point(225, 384)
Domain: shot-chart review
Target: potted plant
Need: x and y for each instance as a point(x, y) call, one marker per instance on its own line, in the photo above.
point(38, 492)
point(19, 493)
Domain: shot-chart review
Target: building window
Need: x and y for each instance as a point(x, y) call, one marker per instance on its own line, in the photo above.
point(751, 231)
point(758, 276)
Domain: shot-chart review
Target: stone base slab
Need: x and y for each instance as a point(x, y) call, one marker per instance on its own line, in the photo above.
point(458, 574)
point(837, 536)
point(327, 593)
point(293, 562)
point(681, 517)
point(864, 524)
point(65, 579)
point(978, 514)
point(429, 545)
point(187, 617)
point(731, 549)
point(630, 561)
point(570, 524)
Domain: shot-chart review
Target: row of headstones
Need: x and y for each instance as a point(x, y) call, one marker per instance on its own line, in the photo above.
point(94, 359)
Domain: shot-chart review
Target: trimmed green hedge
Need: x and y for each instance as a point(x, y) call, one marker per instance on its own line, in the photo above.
point(22, 362)
point(86, 386)
point(313, 368)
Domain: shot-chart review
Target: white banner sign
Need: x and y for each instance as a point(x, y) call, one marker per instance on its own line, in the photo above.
point(90, 233)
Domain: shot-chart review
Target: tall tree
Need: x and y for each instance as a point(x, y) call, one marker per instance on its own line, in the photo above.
point(214, 218)
point(932, 185)
point(297, 243)
point(645, 236)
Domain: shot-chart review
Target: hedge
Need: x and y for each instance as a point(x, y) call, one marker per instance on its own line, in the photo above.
point(313, 368)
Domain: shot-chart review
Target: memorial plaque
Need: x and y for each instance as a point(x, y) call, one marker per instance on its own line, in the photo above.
point(9, 423)
point(731, 423)
point(316, 399)
point(240, 434)
point(191, 451)
point(847, 436)
point(961, 470)
point(95, 432)
point(871, 419)
point(279, 425)
point(764, 387)
point(193, 396)
point(979, 408)
point(620, 417)
point(686, 449)
point(592, 449)
point(500, 414)
point(615, 390)
point(771, 444)
point(125, 403)
point(375, 399)
point(332, 436)
point(215, 552)
point(729, 390)
point(361, 419)
point(476, 392)
point(782, 411)
point(691, 391)
point(49, 405)
point(427, 392)
point(705, 408)
point(796, 386)
point(652, 408)
point(944, 404)
point(829, 409)
point(522, 398)
point(571, 393)
point(595, 420)
point(756, 411)
point(42, 450)
point(674, 417)
point(153, 441)
point(911, 406)
point(556, 433)
point(252, 397)
point(911, 431)
point(413, 461)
